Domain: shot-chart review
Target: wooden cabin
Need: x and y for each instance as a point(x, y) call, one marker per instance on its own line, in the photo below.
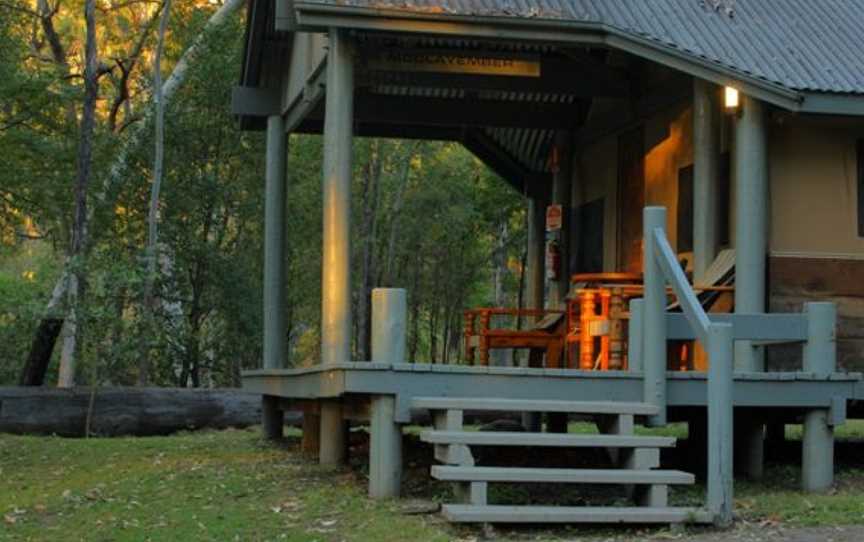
point(740, 119)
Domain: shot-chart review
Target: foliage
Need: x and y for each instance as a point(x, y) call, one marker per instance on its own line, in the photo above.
point(428, 216)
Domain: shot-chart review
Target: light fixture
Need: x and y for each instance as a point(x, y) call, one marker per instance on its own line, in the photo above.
point(732, 98)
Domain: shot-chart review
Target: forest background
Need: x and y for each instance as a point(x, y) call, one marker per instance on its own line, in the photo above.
point(78, 125)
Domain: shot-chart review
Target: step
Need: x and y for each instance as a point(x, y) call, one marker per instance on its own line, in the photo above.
point(566, 514)
point(567, 476)
point(502, 438)
point(531, 405)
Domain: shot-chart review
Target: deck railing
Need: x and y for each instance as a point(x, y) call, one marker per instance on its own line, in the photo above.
point(652, 326)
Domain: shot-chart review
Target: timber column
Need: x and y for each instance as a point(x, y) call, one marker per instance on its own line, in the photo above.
point(750, 155)
point(535, 281)
point(336, 249)
point(561, 180)
point(274, 269)
point(706, 156)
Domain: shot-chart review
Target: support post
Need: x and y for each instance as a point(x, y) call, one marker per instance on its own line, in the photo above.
point(389, 324)
point(561, 182)
point(720, 424)
point(534, 282)
point(385, 449)
point(751, 223)
point(389, 320)
point(333, 445)
point(635, 344)
point(275, 344)
point(654, 318)
point(336, 249)
point(820, 358)
point(272, 418)
point(706, 157)
point(750, 155)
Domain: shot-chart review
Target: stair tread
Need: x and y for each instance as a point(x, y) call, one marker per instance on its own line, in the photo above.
point(532, 405)
point(572, 514)
point(584, 476)
point(503, 438)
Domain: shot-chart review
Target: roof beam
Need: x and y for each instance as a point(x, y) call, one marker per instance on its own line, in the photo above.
point(518, 176)
point(392, 131)
point(383, 109)
point(557, 77)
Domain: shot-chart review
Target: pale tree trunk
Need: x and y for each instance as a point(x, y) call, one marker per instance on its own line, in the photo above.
point(372, 175)
point(77, 279)
point(117, 172)
point(153, 215)
point(398, 202)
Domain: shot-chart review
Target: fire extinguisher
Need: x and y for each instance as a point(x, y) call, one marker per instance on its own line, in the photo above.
point(553, 260)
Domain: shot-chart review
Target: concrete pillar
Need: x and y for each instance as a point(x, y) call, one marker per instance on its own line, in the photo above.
point(752, 212)
point(561, 194)
point(275, 344)
point(336, 249)
point(820, 358)
point(706, 165)
point(654, 317)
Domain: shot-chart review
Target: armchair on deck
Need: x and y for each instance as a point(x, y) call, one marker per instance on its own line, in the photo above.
point(544, 337)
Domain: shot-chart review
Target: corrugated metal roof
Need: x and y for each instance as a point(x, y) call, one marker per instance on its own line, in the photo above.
point(802, 45)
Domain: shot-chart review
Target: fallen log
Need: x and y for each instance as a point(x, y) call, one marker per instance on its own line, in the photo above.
point(127, 411)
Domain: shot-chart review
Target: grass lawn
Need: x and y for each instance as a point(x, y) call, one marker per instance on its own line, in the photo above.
point(225, 486)
point(231, 485)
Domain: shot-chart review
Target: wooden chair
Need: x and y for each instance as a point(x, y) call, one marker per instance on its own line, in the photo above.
point(545, 338)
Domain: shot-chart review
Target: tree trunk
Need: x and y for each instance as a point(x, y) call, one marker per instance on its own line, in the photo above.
point(117, 172)
point(40, 352)
point(153, 214)
point(78, 278)
point(398, 202)
point(126, 411)
point(368, 232)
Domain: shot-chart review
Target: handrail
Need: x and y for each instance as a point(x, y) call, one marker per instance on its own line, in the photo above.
point(690, 305)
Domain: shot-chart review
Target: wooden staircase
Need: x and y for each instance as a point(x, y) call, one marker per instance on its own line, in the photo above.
point(637, 459)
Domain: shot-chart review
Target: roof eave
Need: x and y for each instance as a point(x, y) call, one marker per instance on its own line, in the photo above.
point(318, 17)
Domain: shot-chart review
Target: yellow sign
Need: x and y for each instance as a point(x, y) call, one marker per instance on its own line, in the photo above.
point(441, 62)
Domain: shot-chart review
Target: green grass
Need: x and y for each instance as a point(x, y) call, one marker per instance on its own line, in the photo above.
point(207, 486)
point(231, 485)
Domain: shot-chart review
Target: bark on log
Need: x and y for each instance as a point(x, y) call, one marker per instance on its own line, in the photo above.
point(127, 411)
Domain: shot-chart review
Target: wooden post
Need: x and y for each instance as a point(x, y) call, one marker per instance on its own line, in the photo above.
point(275, 344)
point(706, 157)
point(654, 318)
point(820, 358)
point(336, 250)
point(535, 270)
point(750, 155)
point(720, 423)
point(389, 323)
point(634, 335)
point(561, 195)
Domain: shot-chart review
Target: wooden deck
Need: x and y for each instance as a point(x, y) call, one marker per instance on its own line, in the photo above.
point(686, 390)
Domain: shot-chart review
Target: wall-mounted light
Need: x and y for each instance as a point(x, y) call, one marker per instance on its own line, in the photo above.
point(731, 98)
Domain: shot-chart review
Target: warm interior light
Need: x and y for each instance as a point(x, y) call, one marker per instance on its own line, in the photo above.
point(732, 98)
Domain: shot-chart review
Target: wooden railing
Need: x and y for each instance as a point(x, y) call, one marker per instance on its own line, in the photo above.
point(652, 326)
